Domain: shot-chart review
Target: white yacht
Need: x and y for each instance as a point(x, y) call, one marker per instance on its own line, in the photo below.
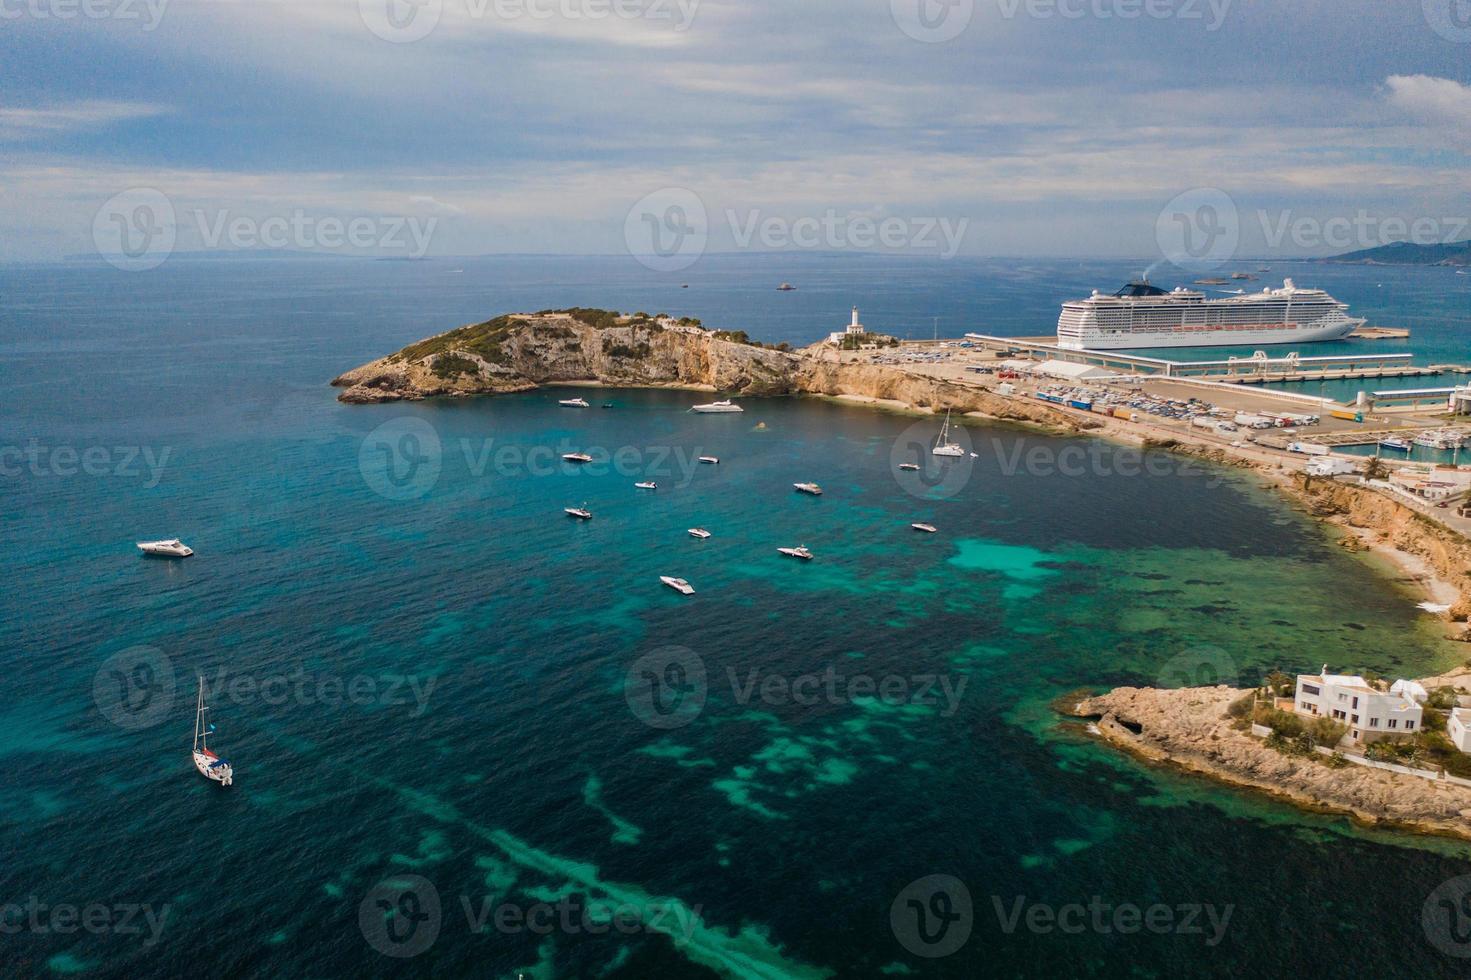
point(677, 584)
point(798, 552)
point(921, 526)
point(1143, 315)
point(709, 459)
point(172, 548)
point(715, 408)
point(577, 457)
point(210, 766)
point(1443, 439)
point(699, 532)
point(574, 403)
point(943, 445)
point(811, 488)
point(647, 485)
point(581, 513)
point(1395, 443)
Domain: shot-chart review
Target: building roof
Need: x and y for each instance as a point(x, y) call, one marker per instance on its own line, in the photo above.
point(1072, 370)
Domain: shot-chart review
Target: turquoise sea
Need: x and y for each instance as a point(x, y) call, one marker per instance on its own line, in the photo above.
point(475, 737)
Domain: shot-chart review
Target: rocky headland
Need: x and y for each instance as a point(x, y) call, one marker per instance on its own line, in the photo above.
point(1189, 728)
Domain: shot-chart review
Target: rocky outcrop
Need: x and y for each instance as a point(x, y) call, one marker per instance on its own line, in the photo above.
point(518, 352)
point(1189, 728)
point(818, 374)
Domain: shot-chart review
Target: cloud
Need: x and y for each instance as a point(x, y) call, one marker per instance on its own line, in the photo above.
point(1441, 101)
point(18, 124)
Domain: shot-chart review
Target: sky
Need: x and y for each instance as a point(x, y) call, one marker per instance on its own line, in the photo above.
point(1182, 129)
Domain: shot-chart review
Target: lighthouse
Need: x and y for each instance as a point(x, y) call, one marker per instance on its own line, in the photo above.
point(855, 329)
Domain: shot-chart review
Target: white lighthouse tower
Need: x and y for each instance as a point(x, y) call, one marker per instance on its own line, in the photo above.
point(855, 329)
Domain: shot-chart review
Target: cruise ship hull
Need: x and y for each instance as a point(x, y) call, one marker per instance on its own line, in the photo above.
point(1234, 337)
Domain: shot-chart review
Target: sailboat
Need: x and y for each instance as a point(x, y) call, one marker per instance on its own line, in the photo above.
point(943, 445)
point(210, 766)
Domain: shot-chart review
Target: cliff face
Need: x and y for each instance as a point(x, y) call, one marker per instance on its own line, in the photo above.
point(521, 351)
point(1397, 525)
point(825, 377)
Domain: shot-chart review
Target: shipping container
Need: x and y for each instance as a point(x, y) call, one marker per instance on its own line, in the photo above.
point(1125, 414)
point(1307, 448)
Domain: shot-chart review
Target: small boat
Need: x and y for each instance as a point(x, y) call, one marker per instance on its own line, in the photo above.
point(709, 459)
point(172, 548)
point(811, 488)
point(574, 403)
point(647, 485)
point(909, 466)
point(699, 532)
point(210, 766)
point(785, 287)
point(798, 552)
point(1391, 442)
point(715, 408)
point(607, 404)
point(943, 445)
point(926, 528)
point(581, 513)
point(677, 584)
point(577, 457)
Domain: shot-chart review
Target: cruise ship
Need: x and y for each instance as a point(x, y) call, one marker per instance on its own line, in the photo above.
point(1143, 315)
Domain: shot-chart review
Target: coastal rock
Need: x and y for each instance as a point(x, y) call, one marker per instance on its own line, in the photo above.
point(518, 352)
point(1189, 728)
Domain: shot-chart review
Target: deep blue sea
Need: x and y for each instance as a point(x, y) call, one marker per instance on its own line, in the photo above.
point(475, 737)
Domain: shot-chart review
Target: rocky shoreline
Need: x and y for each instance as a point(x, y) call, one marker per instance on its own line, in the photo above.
point(521, 352)
point(1189, 729)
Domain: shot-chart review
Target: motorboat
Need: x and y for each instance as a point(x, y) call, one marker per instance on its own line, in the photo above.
point(798, 552)
point(647, 485)
point(210, 766)
point(943, 445)
point(785, 287)
point(811, 488)
point(699, 532)
point(909, 466)
point(172, 548)
point(581, 513)
point(709, 459)
point(677, 584)
point(921, 526)
point(1395, 443)
point(574, 403)
point(716, 408)
point(577, 457)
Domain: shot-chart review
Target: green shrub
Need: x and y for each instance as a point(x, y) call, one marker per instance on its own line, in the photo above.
point(1241, 707)
point(453, 365)
point(1432, 720)
point(1326, 732)
point(1443, 697)
point(1335, 761)
point(1283, 723)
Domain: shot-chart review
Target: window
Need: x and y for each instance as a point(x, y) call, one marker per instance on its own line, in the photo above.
point(1393, 723)
point(1338, 714)
point(1356, 702)
point(1373, 722)
point(1354, 719)
point(1343, 697)
point(1409, 725)
point(1310, 689)
point(1355, 733)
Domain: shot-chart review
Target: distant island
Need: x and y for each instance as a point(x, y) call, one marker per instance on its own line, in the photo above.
point(1408, 253)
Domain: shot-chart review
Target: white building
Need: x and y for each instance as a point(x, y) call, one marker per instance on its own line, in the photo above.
point(855, 329)
point(1458, 728)
point(1370, 714)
